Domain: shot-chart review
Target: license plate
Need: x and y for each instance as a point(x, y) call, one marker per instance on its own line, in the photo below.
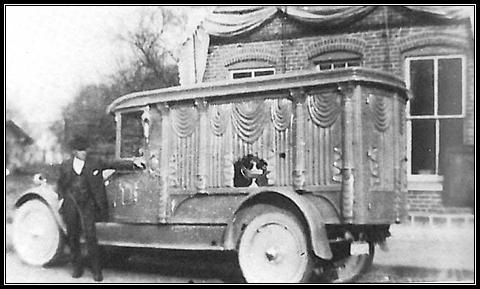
point(359, 248)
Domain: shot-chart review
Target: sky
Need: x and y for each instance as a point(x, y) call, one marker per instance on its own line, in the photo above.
point(51, 51)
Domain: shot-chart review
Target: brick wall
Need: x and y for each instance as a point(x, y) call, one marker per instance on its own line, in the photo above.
point(424, 201)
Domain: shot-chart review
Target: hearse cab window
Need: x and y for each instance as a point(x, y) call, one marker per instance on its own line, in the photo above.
point(337, 60)
point(249, 73)
point(131, 134)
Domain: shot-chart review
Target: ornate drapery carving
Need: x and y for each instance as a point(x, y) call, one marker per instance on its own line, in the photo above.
point(323, 108)
point(337, 165)
point(228, 160)
point(281, 114)
point(298, 174)
point(201, 182)
point(171, 178)
point(381, 112)
point(184, 121)
point(164, 112)
point(248, 119)
point(372, 155)
point(218, 115)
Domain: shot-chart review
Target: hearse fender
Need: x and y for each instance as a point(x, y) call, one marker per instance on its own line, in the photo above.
point(311, 214)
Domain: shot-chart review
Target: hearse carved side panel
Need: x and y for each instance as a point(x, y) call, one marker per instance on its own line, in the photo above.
point(183, 147)
point(380, 156)
point(324, 142)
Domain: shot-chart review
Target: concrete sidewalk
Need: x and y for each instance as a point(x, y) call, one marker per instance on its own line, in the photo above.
point(429, 247)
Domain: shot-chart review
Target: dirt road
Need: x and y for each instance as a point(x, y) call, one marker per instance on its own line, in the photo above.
point(415, 256)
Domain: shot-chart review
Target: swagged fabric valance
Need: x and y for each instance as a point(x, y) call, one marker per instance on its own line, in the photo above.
point(231, 21)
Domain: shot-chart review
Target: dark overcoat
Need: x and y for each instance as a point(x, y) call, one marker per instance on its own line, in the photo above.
point(92, 171)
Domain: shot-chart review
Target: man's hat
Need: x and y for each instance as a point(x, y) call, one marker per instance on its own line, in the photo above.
point(79, 143)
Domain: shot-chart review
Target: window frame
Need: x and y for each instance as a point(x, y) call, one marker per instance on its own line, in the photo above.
point(332, 64)
point(431, 181)
point(333, 58)
point(251, 70)
point(118, 138)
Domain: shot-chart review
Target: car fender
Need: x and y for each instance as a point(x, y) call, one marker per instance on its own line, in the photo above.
point(47, 194)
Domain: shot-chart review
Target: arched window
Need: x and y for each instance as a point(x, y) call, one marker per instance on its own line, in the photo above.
point(249, 69)
point(336, 60)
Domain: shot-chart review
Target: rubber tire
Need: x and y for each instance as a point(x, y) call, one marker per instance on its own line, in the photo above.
point(265, 216)
point(42, 243)
point(350, 268)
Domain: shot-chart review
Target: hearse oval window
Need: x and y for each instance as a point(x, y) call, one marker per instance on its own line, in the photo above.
point(131, 134)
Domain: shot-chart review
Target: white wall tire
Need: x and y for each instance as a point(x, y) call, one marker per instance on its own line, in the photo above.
point(37, 238)
point(274, 248)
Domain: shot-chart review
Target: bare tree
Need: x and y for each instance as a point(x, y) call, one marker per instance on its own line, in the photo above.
point(155, 41)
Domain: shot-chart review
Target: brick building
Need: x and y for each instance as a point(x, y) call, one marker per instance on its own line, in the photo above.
point(430, 47)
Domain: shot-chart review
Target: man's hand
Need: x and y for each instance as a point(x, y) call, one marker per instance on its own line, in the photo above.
point(139, 163)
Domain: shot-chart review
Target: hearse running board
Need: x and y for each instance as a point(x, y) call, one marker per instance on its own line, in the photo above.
point(181, 237)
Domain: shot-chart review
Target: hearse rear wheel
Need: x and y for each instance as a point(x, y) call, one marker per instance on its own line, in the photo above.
point(350, 267)
point(273, 248)
point(37, 238)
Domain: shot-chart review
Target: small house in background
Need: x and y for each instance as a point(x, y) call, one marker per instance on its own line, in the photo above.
point(431, 48)
point(17, 143)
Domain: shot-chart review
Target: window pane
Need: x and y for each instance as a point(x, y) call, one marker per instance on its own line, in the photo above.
point(450, 86)
point(237, 75)
point(421, 79)
point(423, 146)
point(131, 139)
point(451, 138)
point(325, 66)
point(263, 72)
point(353, 63)
point(339, 65)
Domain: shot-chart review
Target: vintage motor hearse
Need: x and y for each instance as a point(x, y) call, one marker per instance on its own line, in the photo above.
point(298, 173)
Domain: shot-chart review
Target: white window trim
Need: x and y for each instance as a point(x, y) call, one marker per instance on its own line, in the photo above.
point(252, 70)
point(425, 183)
point(430, 182)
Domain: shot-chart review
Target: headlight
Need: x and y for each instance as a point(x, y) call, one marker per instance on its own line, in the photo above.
point(39, 179)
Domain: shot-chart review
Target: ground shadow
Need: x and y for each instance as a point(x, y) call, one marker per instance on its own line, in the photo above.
point(175, 263)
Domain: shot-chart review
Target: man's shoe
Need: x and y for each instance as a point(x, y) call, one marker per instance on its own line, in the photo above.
point(98, 277)
point(77, 273)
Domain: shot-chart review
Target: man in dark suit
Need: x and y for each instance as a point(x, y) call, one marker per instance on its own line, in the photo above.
point(81, 187)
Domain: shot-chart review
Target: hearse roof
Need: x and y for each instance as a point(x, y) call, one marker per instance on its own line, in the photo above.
point(242, 87)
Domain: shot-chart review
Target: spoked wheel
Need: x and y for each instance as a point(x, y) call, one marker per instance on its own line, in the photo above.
point(37, 238)
point(351, 261)
point(274, 248)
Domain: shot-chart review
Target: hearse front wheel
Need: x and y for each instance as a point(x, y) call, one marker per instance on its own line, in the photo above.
point(37, 238)
point(273, 248)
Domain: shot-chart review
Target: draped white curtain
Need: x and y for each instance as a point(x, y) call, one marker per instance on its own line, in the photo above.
point(230, 21)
